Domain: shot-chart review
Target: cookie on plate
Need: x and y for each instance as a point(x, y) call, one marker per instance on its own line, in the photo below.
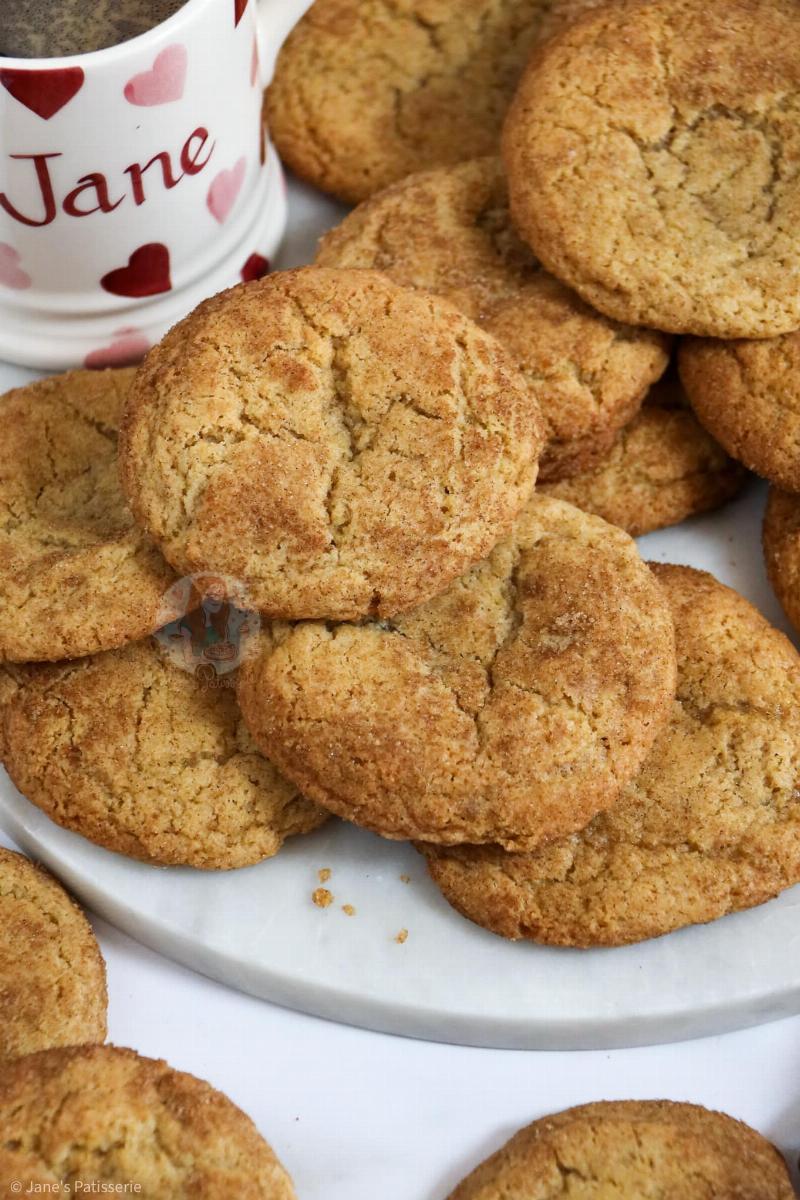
point(710, 825)
point(782, 550)
point(52, 974)
point(104, 1115)
point(663, 468)
point(657, 178)
point(448, 232)
point(366, 92)
point(509, 709)
point(747, 394)
point(633, 1148)
point(11, 676)
point(340, 445)
point(77, 575)
point(140, 756)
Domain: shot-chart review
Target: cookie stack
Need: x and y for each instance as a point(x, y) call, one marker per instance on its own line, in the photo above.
point(446, 652)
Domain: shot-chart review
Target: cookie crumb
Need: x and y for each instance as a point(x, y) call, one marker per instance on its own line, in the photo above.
point(348, 910)
point(322, 898)
point(405, 879)
point(402, 937)
point(324, 874)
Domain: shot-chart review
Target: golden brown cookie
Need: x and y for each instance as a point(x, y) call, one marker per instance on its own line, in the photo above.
point(659, 179)
point(448, 232)
point(52, 974)
point(711, 824)
point(77, 575)
point(633, 1149)
point(367, 91)
point(11, 675)
point(509, 709)
point(137, 755)
point(663, 468)
point(782, 550)
point(747, 394)
point(339, 444)
point(103, 1115)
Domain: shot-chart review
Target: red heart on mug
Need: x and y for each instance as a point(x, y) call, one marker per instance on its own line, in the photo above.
point(43, 92)
point(126, 350)
point(239, 6)
point(256, 267)
point(147, 273)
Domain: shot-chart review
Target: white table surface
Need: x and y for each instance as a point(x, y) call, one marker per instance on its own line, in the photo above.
point(357, 1115)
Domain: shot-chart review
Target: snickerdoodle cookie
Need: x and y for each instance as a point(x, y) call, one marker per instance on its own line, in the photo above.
point(341, 445)
point(367, 91)
point(103, 1115)
point(448, 231)
point(663, 468)
point(137, 755)
point(747, 394)
point(782, 550)
point(633, 1149)
point(710, 825)
point(652, 153)
point(52, 974)
point(509, 709)
point(77, 575)
point(11, 676)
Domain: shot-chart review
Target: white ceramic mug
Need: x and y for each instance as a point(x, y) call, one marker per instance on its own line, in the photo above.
point(134, 181)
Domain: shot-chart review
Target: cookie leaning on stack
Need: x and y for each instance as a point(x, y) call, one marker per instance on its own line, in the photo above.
point(449, 232)
point(78, 575)
point(138, 755)
point(662, 469)
point(509, 709)
point(365, 92)
point(650, 151)
point(710, 825)
point(340, 445)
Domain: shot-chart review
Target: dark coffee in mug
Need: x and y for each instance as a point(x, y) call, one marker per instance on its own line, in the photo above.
point(52, 28)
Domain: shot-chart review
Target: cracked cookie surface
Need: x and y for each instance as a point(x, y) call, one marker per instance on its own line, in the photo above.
point(663, 468)
point(632, 1148)
point(367, 91)
point(77, 576)
point(662, 181)
point(710, 825)
point(511, 708)
point(339, 444)
point(747, 394)
point(449, 232)
point(52, 974)
point(108, 1115)
point(782, 550)
point(138, 756)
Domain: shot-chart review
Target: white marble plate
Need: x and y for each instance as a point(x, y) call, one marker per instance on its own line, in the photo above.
point(259, 931)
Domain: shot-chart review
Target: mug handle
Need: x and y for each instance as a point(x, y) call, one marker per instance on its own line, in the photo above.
point(274, 23)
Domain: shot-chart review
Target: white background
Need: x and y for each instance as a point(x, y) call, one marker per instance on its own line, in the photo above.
point(356, 1115)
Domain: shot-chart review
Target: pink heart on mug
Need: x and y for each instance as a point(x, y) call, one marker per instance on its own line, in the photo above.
point(147, 273)
point(43, 92)
point(239, 7)
point(254, 64)
point(225, 189)
point(11, 273)
point(127, 349)
point(164, 83)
